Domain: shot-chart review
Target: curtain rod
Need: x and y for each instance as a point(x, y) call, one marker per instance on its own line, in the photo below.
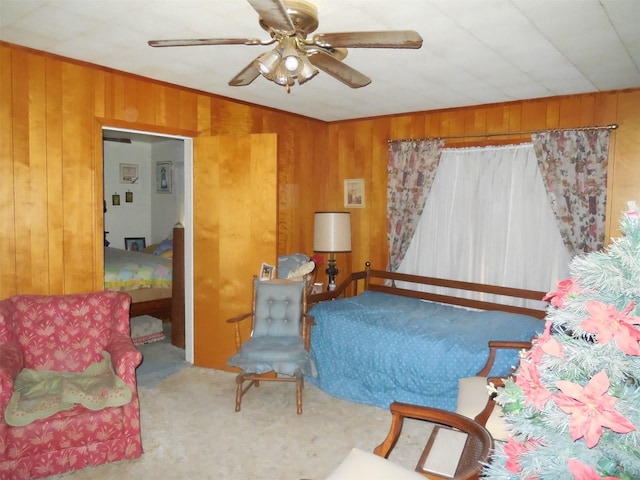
point(613, 126)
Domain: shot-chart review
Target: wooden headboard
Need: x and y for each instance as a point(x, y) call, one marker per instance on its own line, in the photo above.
point(383, 281)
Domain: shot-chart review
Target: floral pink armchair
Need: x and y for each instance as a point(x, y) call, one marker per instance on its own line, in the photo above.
point(67, 333)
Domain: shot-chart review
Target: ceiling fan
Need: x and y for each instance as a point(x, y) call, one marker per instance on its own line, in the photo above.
point(297, 57)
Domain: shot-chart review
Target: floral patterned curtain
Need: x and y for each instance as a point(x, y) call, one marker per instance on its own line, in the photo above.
point(574, 169)
point(411, 169)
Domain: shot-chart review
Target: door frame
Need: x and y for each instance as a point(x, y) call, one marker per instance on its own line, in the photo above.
point(187, 220)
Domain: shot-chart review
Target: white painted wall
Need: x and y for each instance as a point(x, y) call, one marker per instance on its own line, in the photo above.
point(167, 209)
point(151, 215)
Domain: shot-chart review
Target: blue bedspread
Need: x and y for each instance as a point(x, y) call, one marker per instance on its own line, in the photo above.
point(378, 348)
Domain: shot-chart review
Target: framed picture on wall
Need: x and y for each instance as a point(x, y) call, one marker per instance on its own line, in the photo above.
point(164, 177)
point(354, 193)
point(135, 244)
point(128, 172)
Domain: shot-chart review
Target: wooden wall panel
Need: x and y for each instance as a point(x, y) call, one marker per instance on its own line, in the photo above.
point(30, 169)
point(79, 177)
point(55, 173)
point(624, 171)
point(8, 278)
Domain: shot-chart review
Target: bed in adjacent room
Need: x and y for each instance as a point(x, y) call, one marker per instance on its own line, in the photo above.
point(391, 344)
point(154, 279)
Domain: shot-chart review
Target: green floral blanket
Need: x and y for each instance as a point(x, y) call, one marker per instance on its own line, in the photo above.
point(41, 393)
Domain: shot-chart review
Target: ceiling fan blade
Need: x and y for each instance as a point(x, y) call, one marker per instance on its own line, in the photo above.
point(274, 14)
point(381, 39)
point(247, 75)
point(189, 42)
point(339, 70)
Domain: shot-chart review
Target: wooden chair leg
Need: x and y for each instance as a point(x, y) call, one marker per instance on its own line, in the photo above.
point(253, 381)
point(239, 392)
point(299, 387)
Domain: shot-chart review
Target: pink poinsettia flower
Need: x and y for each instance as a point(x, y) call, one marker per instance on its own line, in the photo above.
point(590, 409)
point(513, 450)
point(606, 322)
point(565, 289)
point(528, 379)
point(581, 472)
point(545, 343)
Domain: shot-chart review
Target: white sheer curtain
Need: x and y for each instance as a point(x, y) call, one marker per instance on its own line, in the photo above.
point(488, 220)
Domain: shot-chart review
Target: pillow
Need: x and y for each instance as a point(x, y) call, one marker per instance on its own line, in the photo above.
point(288, 263)
point(150, 248)
point(301, 271)
point(166, 244)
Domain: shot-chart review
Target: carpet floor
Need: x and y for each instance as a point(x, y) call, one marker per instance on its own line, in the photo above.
point(159, 360)
point(191, 431)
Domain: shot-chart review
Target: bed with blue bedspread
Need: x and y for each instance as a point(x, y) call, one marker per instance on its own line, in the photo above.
point(376, 348)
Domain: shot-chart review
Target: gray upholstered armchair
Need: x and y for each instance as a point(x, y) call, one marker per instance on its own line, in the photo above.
point(279, 341)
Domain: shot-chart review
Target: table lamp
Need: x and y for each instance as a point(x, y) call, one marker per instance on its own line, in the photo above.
point(332, 234)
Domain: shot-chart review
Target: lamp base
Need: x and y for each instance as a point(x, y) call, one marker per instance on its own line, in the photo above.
point(331, 272)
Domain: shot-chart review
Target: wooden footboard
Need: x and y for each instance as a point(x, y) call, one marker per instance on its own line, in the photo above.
point(171, 308)
point(177, 285)
point(383, 281)
point(159, 308)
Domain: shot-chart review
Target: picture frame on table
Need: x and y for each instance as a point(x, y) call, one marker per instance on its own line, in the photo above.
point(164, 177)
point(135, 244)
point(266, 272)
point(354, 194)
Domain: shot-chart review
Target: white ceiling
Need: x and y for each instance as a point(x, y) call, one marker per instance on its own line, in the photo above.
point(474, 51)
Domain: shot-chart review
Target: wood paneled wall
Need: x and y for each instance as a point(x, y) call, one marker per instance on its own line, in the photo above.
point(52, 109)
point(51, 113)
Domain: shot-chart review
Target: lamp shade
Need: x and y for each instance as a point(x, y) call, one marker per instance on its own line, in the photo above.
point(332, 232)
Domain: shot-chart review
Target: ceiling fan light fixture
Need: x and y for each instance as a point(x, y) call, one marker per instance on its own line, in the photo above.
point(307, 72)
point(291, 56)
point(291, 63)
point(282, 77)
point(268, 61)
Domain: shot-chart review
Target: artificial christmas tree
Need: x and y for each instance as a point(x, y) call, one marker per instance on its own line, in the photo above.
point(573, 406)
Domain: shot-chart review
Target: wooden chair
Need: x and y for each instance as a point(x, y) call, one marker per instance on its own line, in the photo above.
point(278, 349)
point(474, 400)
point(464, 431)
point(451, 431)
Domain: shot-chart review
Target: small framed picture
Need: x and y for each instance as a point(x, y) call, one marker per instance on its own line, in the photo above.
point(164, 177)
point(135, 244)
point(266, 271)
point(354, 193)
point(128, 172)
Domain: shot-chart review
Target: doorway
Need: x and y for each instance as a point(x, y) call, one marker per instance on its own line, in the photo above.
point(142, 204)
